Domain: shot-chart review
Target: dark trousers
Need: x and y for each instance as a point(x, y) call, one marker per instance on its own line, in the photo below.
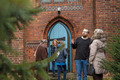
point(62, 67)
point(98, 77)
point(38, 77)
point(53, 67)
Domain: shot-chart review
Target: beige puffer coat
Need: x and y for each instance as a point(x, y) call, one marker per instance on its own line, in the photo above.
point(97, 53)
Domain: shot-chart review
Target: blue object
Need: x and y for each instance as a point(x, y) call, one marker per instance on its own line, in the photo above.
point(53, 67)
point(62, 68)
point(57, 63)
point(59, 30)
point(81, 66)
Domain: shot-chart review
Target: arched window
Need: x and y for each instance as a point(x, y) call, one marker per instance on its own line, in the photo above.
point(60, 31)
point(49, 1)
point(58, 0)
point(45, 1)
point(71, 0)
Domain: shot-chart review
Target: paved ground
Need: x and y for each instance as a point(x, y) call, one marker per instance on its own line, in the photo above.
point(72, 76)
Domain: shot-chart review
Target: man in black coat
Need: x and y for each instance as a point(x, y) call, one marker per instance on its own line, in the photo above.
point(81, 44)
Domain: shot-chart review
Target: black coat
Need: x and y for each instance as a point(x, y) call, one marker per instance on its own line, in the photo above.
point(53, 49)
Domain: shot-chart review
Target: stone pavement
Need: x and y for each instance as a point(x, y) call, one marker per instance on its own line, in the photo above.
point(72, 76)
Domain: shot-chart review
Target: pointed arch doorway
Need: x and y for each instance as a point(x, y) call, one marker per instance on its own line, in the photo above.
point(60, 31)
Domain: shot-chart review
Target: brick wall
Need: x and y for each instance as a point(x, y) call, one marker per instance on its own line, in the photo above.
point(107, 15)
point(79, 14)
point(89, 14)
point(18, 46)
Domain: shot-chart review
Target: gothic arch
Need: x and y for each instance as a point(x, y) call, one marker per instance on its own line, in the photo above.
point(58, 19)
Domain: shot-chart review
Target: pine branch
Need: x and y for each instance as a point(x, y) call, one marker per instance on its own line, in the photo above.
point(113, 49)
point(25, 71)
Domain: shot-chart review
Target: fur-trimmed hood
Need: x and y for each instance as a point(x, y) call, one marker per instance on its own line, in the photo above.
point(100, 37)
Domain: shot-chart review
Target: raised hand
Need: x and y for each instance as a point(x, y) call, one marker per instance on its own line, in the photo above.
point(72, 41)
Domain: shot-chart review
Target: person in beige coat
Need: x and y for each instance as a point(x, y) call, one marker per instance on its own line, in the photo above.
point(97, 53)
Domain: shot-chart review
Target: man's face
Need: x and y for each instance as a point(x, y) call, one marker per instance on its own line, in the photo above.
point(45, 44)
point(85, 33)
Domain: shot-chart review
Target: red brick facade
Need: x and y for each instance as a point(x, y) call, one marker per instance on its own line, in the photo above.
point(76, 15)
point(107, 14)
